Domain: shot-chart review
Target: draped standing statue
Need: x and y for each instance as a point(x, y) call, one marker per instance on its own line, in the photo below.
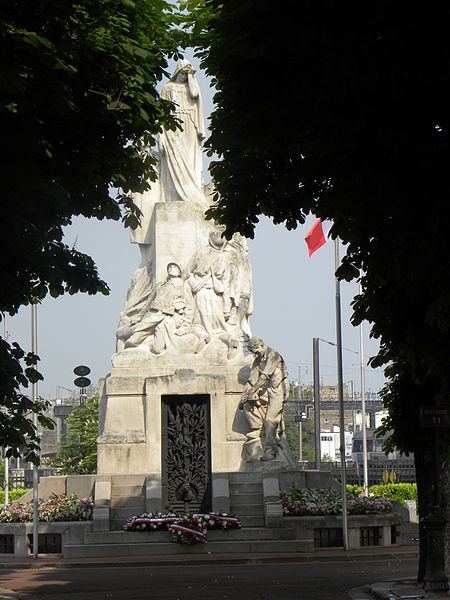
point(180, 150)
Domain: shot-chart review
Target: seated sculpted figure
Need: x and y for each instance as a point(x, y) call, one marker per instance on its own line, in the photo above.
point(262, 401)
point(165, 315)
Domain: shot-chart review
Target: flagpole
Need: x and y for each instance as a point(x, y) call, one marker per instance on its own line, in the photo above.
point(341, 398)
point(6, 468)
point(35, 423)
point(363, 405)
point(316, 378)
point(300, 445)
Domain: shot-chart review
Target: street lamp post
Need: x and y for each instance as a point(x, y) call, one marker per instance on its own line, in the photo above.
point(35, 423)
point(341, 398)
point(300, 433)
point(363, 405)
point(316, 402)
point(6, 459)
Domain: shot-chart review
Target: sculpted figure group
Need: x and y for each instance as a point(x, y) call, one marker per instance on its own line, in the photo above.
point(210, 302)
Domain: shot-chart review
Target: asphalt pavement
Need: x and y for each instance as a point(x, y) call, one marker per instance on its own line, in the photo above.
point(327, 574)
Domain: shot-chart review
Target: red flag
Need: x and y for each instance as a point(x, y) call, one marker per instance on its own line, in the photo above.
point(315, 238)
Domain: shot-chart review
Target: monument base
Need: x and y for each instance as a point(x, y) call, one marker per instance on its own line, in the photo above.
point(180, 428)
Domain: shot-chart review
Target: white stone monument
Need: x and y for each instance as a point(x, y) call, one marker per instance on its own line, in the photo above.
point(172, 406)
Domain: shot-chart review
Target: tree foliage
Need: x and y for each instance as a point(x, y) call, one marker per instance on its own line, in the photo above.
point(79, 99)
point(78, 454)
point(79, 106)
point(17, 429)
point(341, 109)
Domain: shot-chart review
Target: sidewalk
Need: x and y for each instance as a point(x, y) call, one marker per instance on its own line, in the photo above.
point(407, 589)
point(323, 555)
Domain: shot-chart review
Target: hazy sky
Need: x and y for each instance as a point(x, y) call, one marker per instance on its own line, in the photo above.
point(294, 301)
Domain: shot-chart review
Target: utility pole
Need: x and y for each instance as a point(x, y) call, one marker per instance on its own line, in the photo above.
point(6, 474)
point(300, 441)
point(35, 423)
point(363, 404)
point(341, 398)
point(316, 376)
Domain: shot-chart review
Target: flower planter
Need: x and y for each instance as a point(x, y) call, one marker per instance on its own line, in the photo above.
point(363, 530)
point(68, 532)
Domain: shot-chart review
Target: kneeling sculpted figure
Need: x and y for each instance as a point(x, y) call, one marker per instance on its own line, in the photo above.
point(166, 314)
point(262, 401)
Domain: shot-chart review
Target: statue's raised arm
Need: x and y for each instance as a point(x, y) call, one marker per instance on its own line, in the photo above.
point(181, 151)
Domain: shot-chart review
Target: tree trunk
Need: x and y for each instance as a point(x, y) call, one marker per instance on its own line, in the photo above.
point(425, 496)
point(445, 491)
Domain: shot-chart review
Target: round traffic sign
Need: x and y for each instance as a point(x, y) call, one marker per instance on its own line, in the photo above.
point(82, 370)
point(82, 382)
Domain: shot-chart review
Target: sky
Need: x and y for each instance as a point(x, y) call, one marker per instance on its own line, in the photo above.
point(294, 301)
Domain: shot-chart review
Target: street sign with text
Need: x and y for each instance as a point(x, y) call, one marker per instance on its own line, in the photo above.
point(434, 417)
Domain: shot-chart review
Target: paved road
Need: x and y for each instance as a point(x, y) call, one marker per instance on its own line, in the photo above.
point(274, 581)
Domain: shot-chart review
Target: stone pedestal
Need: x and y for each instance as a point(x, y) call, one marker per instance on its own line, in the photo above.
point(130, 426)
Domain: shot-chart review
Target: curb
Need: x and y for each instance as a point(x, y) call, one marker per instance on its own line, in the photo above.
point(395, 589)
point(192, 560)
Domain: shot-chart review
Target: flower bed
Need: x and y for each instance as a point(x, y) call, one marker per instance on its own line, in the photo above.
point(184, 529)
point(56, 508)
point(313, 502)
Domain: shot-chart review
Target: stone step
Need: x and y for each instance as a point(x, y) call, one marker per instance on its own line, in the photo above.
point(240, 499)
point(122, 514)
point(252, 521)
point(246, 521)
point(167, 548)
point(240, 509)
point(150, 537)
point(134, 490)
point(125, 537)
point(117, 524)
point(127, 501)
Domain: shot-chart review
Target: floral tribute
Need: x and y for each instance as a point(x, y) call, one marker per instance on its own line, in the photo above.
point(58, 507)
point(312, 502)
point(189, 529)
point(150, 522)
point(184, 529)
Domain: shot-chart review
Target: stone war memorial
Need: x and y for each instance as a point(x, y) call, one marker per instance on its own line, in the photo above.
point(191, 414)
point(191, 395)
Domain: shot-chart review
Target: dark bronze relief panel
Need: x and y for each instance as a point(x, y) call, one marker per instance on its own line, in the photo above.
point(186, 449)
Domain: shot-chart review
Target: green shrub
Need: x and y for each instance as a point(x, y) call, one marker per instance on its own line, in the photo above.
point(356, 490)
point(395, 491)
point(13, 494)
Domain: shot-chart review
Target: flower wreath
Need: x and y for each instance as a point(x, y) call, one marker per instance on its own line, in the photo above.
point(150, 522)
point(185, 529)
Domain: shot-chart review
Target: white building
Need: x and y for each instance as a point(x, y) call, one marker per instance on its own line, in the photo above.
point(330, 444)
